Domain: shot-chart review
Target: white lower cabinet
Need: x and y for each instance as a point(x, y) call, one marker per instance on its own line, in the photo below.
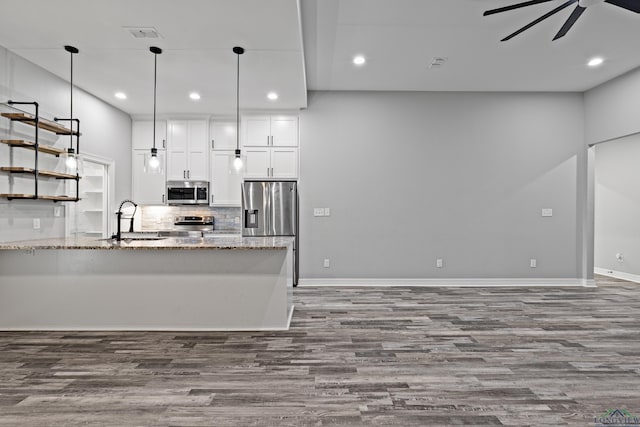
point(225, 181)
point(276, 162)
point(148, 189)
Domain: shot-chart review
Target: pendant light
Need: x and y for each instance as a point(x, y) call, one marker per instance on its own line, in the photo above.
point(153, 164)
point(72, 158)
point(237, 162)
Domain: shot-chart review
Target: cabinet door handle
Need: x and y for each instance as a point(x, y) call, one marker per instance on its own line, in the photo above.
point(164, 143)
point(188, 174)
point(184, 174)
point(271, 171)
point(163, 198)
point(213, 144)
point(267, 171)
point(212, 198)
point(272, 140)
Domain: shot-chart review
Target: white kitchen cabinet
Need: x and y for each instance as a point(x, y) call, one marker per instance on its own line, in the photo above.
point(148, 189)
point(270, 146)
point(225, 181)
point(271, 162)
point(187, 150)
point(223, 135)
point(284, 162)
point(142, 134)
point(257, 162)
point(270, 131)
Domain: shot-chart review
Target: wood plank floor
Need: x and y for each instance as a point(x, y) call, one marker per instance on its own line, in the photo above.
point(361, 357)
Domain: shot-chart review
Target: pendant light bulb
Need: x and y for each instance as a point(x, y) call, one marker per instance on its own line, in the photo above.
point(71, 162)
point(154, 162)
point(237, 162)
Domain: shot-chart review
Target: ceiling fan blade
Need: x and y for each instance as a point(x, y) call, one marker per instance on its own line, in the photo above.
point(514, 6)
point(632, 5)
point(542, 18)
point(570, 21)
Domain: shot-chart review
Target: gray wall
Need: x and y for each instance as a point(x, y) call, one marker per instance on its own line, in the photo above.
point(106, 132)
point(411, 177)
point(617, 205)
point(611, 109)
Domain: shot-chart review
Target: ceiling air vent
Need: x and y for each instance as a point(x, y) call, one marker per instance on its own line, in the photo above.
point(437, 62)
point(143, 32)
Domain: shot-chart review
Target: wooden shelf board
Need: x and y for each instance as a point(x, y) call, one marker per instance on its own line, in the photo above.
point(44, 173)
point(17, 196)
point(42, 124)
point(59, 198)
point(31, 196)
point(31, 146)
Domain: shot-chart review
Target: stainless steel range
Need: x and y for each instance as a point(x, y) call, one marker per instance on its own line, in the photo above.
point(194, 223)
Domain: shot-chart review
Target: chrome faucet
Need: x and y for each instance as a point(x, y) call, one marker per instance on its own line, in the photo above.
point(118, 235)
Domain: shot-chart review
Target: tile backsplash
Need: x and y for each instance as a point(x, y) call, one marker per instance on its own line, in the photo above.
point(162, 217)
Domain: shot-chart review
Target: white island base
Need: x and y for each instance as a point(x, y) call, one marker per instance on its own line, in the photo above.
point(146, 289)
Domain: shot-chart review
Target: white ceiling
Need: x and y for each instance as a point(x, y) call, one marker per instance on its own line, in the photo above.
point(398, 37)
point(197, 39)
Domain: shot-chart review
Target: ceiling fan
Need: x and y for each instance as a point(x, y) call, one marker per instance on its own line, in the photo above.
point(632, 5)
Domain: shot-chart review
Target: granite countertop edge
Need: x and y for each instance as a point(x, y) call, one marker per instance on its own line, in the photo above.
point(85, 243)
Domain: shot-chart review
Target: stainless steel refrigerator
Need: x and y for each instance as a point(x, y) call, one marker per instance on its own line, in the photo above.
point(270, 208)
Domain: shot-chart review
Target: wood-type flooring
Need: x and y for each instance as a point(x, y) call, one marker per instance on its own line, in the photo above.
point(353, 356)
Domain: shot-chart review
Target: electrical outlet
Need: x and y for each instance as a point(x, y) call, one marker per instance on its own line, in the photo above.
point(547, 212)
point(327, 263)
point(318, 211)
point(327, 211)
point(439, 263)
point(36, 223)
point(236, 220)
point(57, 211)
point(533, 263)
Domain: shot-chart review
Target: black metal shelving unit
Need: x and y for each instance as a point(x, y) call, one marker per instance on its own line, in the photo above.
point(17, 115)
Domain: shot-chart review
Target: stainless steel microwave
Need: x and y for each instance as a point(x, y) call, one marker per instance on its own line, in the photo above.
point(187, 192)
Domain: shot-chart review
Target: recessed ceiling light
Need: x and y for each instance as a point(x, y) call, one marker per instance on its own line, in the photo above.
point(594, 62)
point(194, 95)
point(121, 95)
point(272, 96)
point(359, 60)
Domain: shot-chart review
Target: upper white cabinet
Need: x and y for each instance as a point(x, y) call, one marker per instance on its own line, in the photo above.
point(270, 131)
point(223, 135)
point(270, 146)
point(147, 189)
point(187, 150)
point(224, 184)
point(142, 135)
point(225, 181)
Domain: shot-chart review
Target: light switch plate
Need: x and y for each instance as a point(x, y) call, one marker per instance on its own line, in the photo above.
point(57, 211)
point(318, 211)
point(327, 263)
point(533, 263)
point(547, 212)
point(439, 263)
point(36, 223)
point(327, 211)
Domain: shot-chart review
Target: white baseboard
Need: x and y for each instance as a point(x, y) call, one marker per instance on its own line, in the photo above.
point(617, 274)
point(447, 282)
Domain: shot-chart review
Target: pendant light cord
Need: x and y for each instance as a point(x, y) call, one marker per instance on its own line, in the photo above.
point(71, 116)
point(155, 86)
point(238, 103)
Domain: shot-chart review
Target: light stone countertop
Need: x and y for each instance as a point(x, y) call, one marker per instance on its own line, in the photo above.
point(168, 243)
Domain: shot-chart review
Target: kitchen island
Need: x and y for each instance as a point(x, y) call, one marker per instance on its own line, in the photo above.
point(204, 283)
